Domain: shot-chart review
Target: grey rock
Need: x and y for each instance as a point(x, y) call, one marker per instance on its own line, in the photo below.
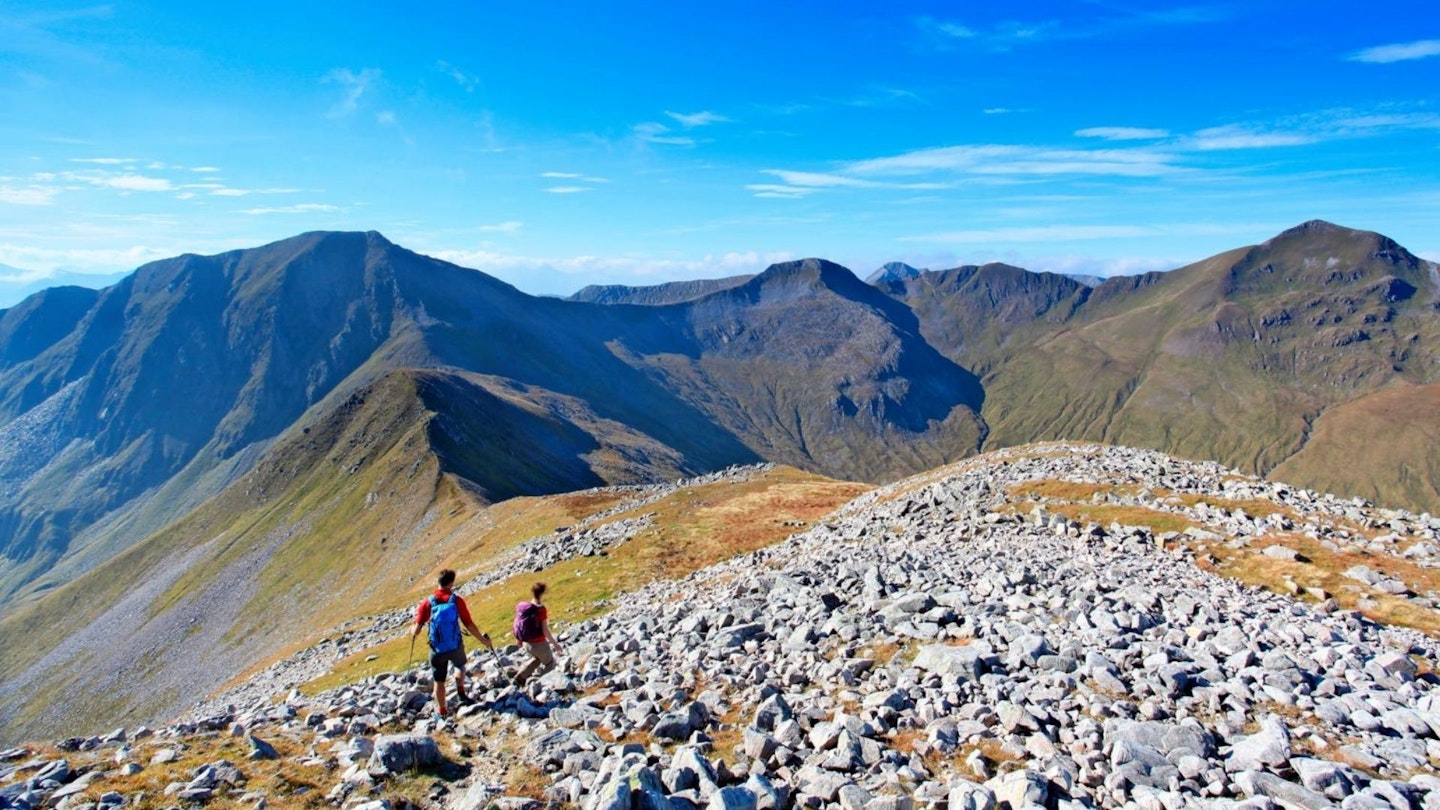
point(397, 753)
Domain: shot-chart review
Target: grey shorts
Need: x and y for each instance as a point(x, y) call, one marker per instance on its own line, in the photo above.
point(440, 663)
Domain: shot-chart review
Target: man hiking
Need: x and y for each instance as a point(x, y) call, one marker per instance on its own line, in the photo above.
point(532, 630)
point(444, 611)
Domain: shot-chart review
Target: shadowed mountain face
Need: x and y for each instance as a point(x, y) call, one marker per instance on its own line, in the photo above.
point(123, 410)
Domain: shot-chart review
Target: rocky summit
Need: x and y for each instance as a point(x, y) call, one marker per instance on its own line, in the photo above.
point(1055, 625)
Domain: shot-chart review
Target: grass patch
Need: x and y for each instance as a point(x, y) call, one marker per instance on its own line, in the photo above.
point(285, 780)
point(1105, 514)
point(1325, 568)
point(693, 528)
point(1074, 491)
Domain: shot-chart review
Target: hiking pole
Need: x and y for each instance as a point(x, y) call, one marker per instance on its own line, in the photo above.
point(410, 659)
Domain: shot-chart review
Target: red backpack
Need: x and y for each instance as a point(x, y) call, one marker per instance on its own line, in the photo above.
point(527, 626)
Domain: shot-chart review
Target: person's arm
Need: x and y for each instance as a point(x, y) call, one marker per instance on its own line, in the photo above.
point(422, 615)
point(549, 636)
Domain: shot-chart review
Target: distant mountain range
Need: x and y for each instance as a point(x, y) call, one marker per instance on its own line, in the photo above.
point(16, 285)
point(228, 429)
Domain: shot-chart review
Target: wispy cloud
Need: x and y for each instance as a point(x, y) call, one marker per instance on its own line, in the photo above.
point(997, 111)
point(302, 208)
point(587, 178)
point(225, 191)
point(466, 81)
point(657, 133)
point(1401, 52)
point(1008, 34)
point(510, 227)
point(105, 161)
point(995, 159)
point(28, 195)
point(568, 189)
point(796, 184)
point(700, 119)
point(1001, 36)
point(353, 85)
point(1123, 133)
point(1240, 137)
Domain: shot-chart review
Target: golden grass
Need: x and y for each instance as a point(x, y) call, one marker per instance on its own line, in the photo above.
point(1054, 489)
point(285, 781)
point(1105, 514)
point(1325, 568)
point(693, 528)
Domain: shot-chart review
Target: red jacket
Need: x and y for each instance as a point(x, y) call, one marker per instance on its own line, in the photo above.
point(422, 613)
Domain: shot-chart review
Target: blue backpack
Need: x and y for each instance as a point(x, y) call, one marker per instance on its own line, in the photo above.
point(444, 624)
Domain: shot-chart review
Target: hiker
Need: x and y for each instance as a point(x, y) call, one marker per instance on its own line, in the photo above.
point(532, 630)
point(445, 611)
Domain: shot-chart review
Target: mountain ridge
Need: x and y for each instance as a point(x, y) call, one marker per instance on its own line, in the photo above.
point(129, 412)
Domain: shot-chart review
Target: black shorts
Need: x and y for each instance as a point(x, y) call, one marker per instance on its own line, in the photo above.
point(440, 663)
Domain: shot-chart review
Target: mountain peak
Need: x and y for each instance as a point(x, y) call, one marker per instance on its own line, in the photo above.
point(1314, 228)
point(893, 271)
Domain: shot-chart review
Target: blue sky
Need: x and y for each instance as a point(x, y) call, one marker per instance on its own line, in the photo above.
point(639, 142)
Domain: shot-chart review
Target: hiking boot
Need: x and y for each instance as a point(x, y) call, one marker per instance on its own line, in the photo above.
point(464, 699)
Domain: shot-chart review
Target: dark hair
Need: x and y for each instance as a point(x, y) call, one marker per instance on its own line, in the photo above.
point(538, 590)
point(447, 578)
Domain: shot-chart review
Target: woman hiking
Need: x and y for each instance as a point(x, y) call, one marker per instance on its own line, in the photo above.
point(532, 630)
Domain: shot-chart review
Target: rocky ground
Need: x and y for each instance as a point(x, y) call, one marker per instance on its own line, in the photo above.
point(953, 640)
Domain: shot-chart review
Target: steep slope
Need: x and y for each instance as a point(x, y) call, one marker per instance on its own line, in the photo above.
point(672, 292)
point(1232, 358)
point(174, 381)
point(980, 315)
point(380, 487)
point(811, 367)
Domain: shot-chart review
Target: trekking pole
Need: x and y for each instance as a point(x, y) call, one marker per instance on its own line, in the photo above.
point(410, 659)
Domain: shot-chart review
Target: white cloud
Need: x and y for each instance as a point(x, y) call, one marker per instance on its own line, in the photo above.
point(205, 169)
point(655, 132)
point(574, 176)
point(997, 111)
point(107, 259)
point(354, 86)
point(510, 227)
point(230, 192)
point(567, 189)
point(386, 118)
point(994, 159)
point(28, 195)
point(105, 161)
point(137, 182)
point(699, 119)
point(302, 208)
point(1123, 133)
point(778, 191)
point(1239, 137)
point(817, 179)
point(1401, 52)
point(465, 80)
